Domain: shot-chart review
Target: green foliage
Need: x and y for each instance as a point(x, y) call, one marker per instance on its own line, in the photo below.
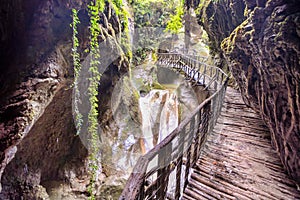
point(118, 3)
point(175, 22)
point(154, 13)
point(94, 10)
point(201, 5)
point(141, 53)
point(77, 69)
point(123, 15)
point(121, 12)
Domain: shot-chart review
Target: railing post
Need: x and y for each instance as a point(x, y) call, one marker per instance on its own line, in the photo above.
point(163, 171)
point(142, 191)
point(205, 124)
point(179, 165)
point(187, 167)
point(197, 138)
point(216, 81)
point(195, 130)
point(204, 74)
point(222, 78)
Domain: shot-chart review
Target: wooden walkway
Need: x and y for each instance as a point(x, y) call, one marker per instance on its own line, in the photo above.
point(238, 161)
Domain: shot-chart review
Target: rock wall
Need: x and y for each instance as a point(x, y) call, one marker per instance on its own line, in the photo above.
point(220, 18)
point(263, 51)
point(40, 156)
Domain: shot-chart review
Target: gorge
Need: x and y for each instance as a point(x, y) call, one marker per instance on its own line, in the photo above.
point(42, 157)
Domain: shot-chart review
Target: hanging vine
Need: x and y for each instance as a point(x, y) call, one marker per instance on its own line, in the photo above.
point(77, 69)
point(94, 10)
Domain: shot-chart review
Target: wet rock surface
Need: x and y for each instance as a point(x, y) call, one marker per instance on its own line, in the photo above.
point(263, 54)
point(147, 105)
point(40, 156)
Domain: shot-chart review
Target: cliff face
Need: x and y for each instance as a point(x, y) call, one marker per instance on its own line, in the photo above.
point(220, 18)
point(263, 53)
point(38, 146)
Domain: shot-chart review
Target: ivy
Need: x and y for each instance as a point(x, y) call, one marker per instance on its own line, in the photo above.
point(94, 10)
point(77, 69)
point(122, 13)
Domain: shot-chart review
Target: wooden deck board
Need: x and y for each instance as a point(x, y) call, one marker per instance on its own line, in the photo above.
point(238, 161)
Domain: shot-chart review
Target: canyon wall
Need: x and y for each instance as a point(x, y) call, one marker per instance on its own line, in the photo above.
point(260, 42)
point(40, 155)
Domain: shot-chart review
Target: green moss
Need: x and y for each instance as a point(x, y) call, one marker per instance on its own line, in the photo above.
point(154, 56)
point(157, 86)
point(136, 95)
point(228, 44)
point(130, 98)
point(123, 16)
point(201, 9)
point(30, 113)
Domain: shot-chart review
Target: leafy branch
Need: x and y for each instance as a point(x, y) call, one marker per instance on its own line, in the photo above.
point(175, 22)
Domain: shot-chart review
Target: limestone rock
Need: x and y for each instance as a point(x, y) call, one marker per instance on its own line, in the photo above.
point(263, 53)
point(38, 146)
point(264, 56)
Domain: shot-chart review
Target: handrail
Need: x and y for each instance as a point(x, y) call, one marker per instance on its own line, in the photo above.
point(211, 75)
point(192, 57)
point(152, 176)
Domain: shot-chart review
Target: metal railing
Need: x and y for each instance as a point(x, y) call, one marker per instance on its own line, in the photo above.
point(163, 172)
point(195, 68)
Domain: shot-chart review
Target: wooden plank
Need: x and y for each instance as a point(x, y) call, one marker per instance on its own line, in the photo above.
point(238, 161)
point(198, 194)
point(220, 192)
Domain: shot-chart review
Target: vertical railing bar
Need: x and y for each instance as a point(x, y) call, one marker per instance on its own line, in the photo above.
point(197, 138)
point(179, 166)
point(193, 132)
point(142, 191)
point(204, 73)
point(217, 80)
point(164, 171)
point(187, 169)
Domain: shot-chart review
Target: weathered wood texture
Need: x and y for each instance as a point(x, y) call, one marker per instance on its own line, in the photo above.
point(238, 161)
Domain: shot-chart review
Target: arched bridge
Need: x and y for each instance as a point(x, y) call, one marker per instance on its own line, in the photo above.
point(221, 151)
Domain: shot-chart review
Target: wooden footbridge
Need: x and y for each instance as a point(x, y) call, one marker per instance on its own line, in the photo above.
point(221, 151)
